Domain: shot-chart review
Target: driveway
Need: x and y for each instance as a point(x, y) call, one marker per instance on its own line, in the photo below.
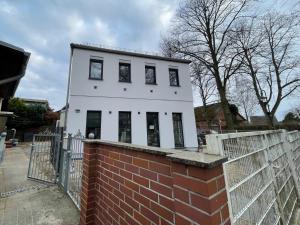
point(26, 202)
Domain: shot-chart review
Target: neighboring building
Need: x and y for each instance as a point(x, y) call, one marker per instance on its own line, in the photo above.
point(216, 118)
point(62, 116)
point(261, 120)
point(130, 97)
point(12, 68)
point(40, 102)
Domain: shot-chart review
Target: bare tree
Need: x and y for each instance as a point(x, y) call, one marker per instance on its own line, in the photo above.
point(268, 45)
point(244, 96)
point(201, 32)
point(296, 111)
point(205, 84)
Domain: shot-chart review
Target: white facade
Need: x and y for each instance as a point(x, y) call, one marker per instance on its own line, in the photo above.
point(111, 96)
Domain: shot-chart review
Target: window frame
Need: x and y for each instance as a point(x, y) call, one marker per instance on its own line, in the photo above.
point(100, 125)
point(125, 64)
point(177, 77)
point(148, 66)
point(119, 138)
point(90, 68)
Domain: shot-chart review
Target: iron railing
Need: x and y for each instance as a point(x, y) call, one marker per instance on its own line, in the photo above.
point(44, 157)
point(71, 167)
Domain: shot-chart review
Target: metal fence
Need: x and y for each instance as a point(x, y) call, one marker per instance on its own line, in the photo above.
point(44, 157)
point(2, 146)
point(261, 174)
point(71, 167)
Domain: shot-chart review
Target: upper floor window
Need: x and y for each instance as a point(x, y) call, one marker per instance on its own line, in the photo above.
point(96, 69)
point(150, 74)
point(174, 80)
point(124, 72)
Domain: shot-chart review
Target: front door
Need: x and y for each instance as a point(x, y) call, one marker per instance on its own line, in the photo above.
point(178, 130)
point(153, 129)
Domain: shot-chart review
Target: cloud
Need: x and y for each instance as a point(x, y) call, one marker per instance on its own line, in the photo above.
point(46, 28)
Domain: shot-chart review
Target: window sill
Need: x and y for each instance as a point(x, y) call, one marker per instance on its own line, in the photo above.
point(95, 79)
point(175, 86)
point(151, 83)
point(129, 82)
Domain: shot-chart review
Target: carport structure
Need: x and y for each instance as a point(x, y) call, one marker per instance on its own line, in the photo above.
point(13, 65)
point(12, 68)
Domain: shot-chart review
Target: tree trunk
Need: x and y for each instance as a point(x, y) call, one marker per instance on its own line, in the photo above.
point(270, 121)
point(226, 110)
point(206, 115)
point(269, 116)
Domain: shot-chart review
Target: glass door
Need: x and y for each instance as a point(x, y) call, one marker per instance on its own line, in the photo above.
point(153, 129)
point(178, 130)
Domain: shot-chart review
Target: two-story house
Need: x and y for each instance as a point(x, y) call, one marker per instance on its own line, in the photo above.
point(130, 97)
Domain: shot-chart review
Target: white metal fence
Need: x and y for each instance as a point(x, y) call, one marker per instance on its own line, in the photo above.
point(262, 174)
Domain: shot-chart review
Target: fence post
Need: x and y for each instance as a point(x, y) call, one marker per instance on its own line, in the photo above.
point(270, 162)
point(57, 153)
point(214, 145)
point(289, 151)
point(31, 154)
point(68, 155)
point(2, 145)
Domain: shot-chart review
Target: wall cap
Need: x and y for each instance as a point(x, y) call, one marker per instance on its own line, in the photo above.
point(186, 156)
point(139, 148)
point(198, 159)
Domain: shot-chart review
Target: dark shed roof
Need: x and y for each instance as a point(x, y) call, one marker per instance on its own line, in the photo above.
point(12, 68)
point(128, 53)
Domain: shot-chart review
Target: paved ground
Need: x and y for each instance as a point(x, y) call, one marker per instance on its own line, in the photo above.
point(296, 219)
point(25, 202)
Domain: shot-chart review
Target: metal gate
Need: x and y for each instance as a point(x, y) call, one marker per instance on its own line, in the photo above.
point(44, 157)
point(71, 167)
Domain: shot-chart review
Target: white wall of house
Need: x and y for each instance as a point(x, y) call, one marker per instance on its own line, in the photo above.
point(111, 95)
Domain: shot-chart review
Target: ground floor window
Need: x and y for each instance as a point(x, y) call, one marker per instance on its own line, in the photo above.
point(93, 124)
point(125, 127)
point(178, 130)
point(153, 129)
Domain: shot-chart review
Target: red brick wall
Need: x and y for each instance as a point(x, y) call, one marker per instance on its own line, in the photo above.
point(123, 186)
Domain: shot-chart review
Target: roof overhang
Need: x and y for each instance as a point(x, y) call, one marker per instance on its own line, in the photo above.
point(13, 65)
point(128, 53)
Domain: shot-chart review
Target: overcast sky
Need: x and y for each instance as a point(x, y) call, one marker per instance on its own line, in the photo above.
point(46, 28)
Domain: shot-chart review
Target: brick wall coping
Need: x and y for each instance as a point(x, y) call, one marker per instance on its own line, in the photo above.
point(186, 157)
point(198, 159)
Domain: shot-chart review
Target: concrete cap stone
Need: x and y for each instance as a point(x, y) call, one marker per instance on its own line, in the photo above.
point(186, 157)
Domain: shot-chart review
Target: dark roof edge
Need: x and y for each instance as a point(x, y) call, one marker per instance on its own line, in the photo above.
point(120, 52)
point(14, 47)
point(24, 63)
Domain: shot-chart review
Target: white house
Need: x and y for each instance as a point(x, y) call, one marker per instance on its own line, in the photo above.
point(130, 97)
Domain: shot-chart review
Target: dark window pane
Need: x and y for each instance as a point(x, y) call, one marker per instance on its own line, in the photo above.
point(153, 129)
point(150, 75)
point(124, 72)
point(178, 130)
point(125, 127)
point(93, 123)
point(96, 67)
point(173, 77)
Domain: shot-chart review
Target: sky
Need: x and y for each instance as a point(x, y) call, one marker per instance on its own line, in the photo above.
point(46, 29)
